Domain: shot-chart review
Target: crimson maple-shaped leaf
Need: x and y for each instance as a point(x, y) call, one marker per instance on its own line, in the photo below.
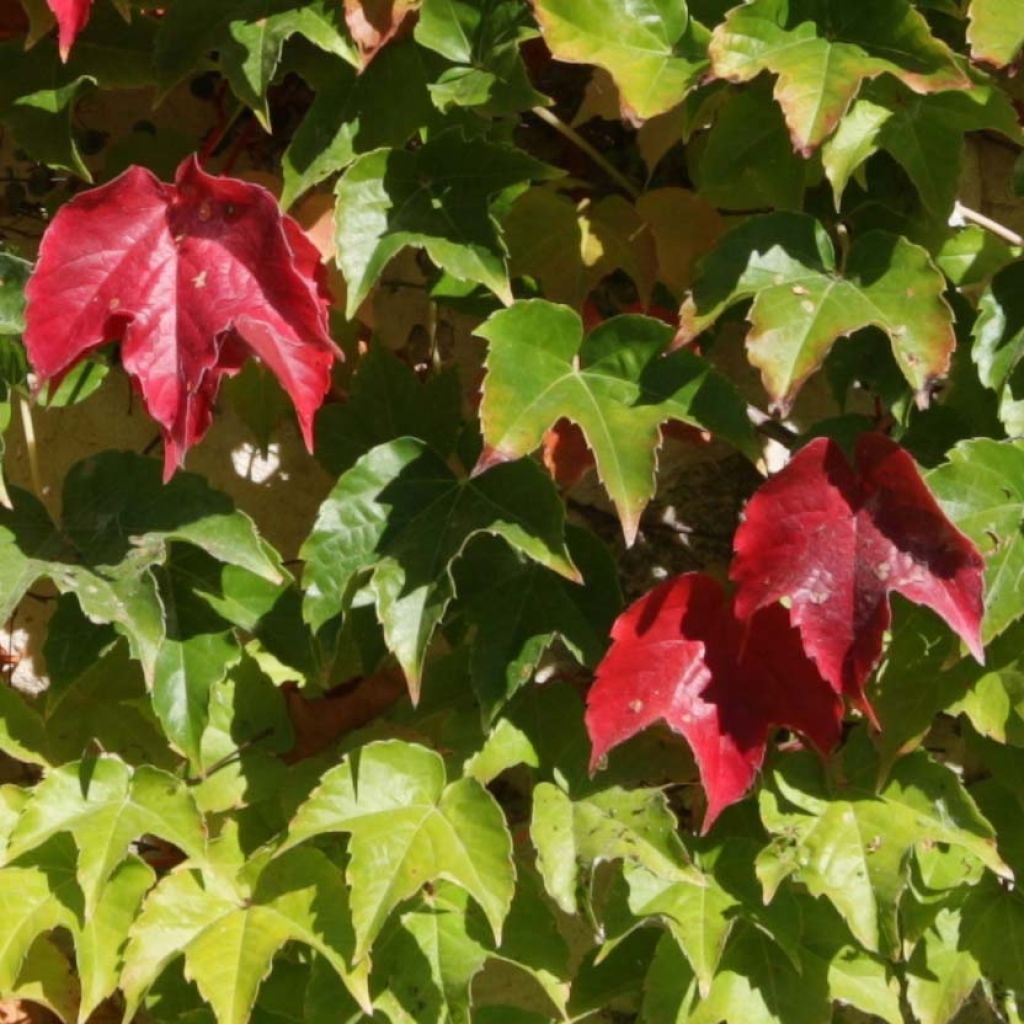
point(192, 277)
point(679, 654)
point(72, 16)
point(835, 541)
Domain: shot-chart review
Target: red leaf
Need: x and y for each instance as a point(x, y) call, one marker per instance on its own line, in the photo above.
point(836, 541)
point(679, 654)
point(193, 277)
point(72, 16)
point(13, 20)
point(374, 23)
point(566, 455)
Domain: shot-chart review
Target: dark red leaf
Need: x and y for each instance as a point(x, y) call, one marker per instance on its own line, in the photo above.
point(193, 277)
point(13, 20)
point(72, 16)
point(835, 541)
point(680, 655)
point(374, 23)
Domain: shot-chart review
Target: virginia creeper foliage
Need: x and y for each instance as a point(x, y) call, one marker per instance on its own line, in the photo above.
point(512, 511)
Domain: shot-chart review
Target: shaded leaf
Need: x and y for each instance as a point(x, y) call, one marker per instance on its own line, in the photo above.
point(401, 516)
point(437, 198)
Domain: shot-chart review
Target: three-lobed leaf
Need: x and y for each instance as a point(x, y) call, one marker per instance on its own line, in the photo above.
point(408, 826)
point(803, 302)
point(617, 384)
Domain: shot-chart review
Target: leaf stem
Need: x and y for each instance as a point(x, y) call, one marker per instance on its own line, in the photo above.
point(30, 446)
point(554, 121)
point(1000, 230)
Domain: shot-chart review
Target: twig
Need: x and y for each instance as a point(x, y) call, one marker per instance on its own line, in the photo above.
point(1000, 230)
point(772, 428)
point(581, 143)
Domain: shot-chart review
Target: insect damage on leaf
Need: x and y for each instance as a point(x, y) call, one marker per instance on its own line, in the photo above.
point(193, 277)
point(836, 540)
point(679, 654)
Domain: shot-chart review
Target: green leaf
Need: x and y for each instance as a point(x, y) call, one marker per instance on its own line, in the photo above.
point(747, 160)
point(852, 846)
point(940, 974)
point(408, 827)
point(229, 938)
point(635, 826)
point(981, 489)
point(355, 113)
point(822, 58)
point(616, 385)
point(48, 980)
point(387, 402)
point(482, 38)
point(971, 256)
point(402, 516)
point(518, 609)
point(429, 958)
point(995, 32)
point(998, 349)
point(248, 36)
point(670, 988)
point(802, 303)
point(505, 747)
point(653, 49)
point(101, 936)
point(22, 730)
point(437, 198)
point(700, 917)
point(925, 134)
point(36, 895)
point(14, 273)
point(759, 984)
point(118, 519)
point(106, 806)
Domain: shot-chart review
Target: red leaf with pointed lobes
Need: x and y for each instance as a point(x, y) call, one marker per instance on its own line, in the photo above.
point(836, 541)
point(679, 654)
point(72, 16)
point(193, 277)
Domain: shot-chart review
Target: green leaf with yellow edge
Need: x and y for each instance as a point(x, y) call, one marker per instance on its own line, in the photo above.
point(106, 806)
point(981, 489)
point(616, 384)
point(995, 31)
point(653, 49)
point(821, 54)
point(851, 844)
point(437, 198)
point(998, 349)
point(409, 826)
point(803, 302)
point(229, 936)
point(400, 516)
point(635, 826)
point(924, 133)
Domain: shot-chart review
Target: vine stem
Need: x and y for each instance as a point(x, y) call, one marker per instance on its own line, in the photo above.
point(554, 121)
point(30, 446)
point(1000, 230)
